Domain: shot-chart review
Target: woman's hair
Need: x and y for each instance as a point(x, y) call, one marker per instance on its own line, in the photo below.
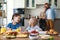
point(47, 4)
point(15, 15)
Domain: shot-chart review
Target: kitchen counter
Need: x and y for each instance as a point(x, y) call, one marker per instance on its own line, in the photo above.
point(3, 38)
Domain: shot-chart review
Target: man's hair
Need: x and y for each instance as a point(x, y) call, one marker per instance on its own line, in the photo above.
point(15, 15)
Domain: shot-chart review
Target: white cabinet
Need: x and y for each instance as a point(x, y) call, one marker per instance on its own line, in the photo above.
point(1, 1)
point(30, 4)
point(42, 1)
point(58, 3)
point(19, 3)
point(55, 3)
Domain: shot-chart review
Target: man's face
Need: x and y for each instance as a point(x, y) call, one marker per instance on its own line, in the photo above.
point(17, 19)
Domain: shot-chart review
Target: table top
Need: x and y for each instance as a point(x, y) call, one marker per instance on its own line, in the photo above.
point(4, 38)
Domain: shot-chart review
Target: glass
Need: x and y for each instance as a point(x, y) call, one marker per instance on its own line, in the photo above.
point(3, 30)
point(18, 29)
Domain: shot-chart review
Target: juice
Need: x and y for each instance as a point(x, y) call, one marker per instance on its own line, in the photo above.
point(18, 29)
point(3, 30)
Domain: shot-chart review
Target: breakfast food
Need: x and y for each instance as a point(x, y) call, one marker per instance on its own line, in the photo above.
point(55, 32)
point(11, 34)
point(34, 31)
point(22, 35)
point(52, 32)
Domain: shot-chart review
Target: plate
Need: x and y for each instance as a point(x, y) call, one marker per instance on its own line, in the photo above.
point(44, 36)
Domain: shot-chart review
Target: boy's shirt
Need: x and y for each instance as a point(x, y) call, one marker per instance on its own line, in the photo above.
point(13, 27)
point(29, 29)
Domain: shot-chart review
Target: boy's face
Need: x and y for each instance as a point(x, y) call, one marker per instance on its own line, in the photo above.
point(17, 19)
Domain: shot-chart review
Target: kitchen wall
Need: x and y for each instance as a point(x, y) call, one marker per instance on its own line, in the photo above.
point(58, 13)
point(36, 12)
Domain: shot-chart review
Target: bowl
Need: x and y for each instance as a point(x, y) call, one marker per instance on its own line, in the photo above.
point(33, 37)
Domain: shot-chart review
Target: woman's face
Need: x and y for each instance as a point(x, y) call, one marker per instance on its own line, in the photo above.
point(17, 19)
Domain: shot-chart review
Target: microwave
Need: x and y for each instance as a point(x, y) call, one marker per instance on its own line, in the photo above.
point(19, 10)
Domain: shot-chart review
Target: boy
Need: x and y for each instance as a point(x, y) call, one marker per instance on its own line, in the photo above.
point(15, 22)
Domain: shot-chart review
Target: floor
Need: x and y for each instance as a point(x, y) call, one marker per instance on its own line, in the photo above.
point(57, 25)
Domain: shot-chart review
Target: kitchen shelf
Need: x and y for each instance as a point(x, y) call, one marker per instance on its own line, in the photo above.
point(3, 11)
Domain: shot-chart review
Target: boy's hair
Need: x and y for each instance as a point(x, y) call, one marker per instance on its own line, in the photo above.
point(15, 15)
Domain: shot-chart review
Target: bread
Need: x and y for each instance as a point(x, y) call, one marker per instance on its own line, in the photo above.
point(22, 35)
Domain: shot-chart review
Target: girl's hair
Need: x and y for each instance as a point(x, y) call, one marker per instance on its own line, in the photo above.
point(33, 19)
point(15, 15)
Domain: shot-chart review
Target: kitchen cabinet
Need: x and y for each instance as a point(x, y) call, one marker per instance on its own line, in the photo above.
point(30, 4)
point(42, 1)
point(58, 3)
point(19, 3)
point(55, 3)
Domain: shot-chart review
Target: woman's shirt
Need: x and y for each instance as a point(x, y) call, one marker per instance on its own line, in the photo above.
point(13, 27)
point(29, 28)
point(43, 14)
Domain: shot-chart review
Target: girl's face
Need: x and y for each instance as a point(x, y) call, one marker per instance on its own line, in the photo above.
point(32, 22)
point(17, 19)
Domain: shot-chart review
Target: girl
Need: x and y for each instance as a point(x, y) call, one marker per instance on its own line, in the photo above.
point(33, 25)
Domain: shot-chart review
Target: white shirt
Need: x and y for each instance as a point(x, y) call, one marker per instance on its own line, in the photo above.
point(49, 14)
point(29, 29)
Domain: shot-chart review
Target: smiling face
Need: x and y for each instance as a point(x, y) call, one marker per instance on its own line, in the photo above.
point(17, 19)
point(32, 22)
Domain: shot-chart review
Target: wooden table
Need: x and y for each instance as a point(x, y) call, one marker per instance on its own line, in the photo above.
point(3, 38)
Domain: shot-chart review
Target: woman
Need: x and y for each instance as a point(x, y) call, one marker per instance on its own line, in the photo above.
point(15, 22)
point(42, 20)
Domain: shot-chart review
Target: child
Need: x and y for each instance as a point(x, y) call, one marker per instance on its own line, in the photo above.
point(33, 25)
point(15, 22)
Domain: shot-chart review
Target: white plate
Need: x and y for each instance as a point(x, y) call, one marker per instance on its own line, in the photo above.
point(44, 36)
point(42, 32)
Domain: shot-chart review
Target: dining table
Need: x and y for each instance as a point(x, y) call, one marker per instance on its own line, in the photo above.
point(4, 38)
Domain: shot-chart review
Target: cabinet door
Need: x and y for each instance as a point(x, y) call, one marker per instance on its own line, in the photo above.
point(58, 3)
point(42, 1)
point(30, 4)
point(19, 3)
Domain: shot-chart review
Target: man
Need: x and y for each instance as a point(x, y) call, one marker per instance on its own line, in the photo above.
point(50, 16)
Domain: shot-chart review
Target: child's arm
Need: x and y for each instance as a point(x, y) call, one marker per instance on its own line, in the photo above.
point(9, 27)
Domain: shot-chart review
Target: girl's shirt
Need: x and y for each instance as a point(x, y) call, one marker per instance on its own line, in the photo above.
point(13, 27)
point(29, 28)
